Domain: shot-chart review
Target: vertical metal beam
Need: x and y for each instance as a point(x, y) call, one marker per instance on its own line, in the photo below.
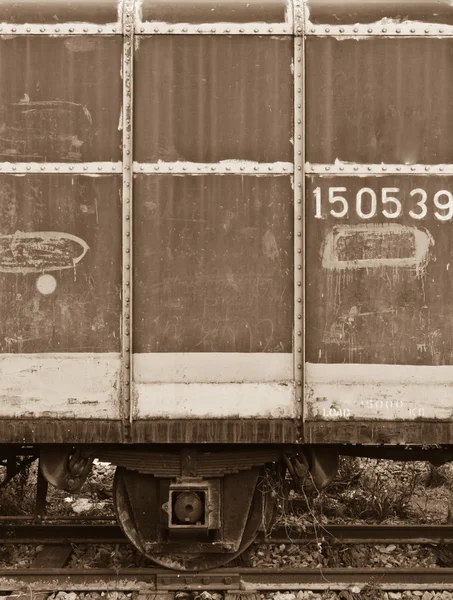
point(126, 332)
point(299, 216)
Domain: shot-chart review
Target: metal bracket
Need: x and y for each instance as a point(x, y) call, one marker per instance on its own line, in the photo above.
point(60, 29)
point(213, 581)
point(240, 167)
point(87, 168)
point(159, 28)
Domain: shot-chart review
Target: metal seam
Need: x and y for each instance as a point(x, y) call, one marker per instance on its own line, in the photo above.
point(380, 29)
point(159, 27)
point(299, 261)
point(224, 167)
point(339, 168)
point(87, 168)
point(126, 330)
point(60, 29)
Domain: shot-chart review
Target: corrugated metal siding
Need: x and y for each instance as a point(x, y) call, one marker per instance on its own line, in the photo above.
point(59, 11)
point(213, 264)
point(202, 11)
point(212, 98)
point(82, 313)
point(380, 100)
point(338, 12)
point(60, 98)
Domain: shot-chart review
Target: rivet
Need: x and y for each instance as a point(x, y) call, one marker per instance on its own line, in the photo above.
point(398, 168)
point(313, 30)
point(71, 30)
point(327, 29)
point(270, 30)
point(398, 31)
point(228, 168)
point(114, 168)
point(300, 29)
point(99, 30)
point(170, 168)
point(156, 30)
point(355, 30)
point(28, 29)
point(299, 299)
point(327, 168)
point(14, 29)
point(241, 30)
point(114, 30)
point(270, 168)
point(299, 251)
point(299, 267)
point(299, 333)
point(384, 30)
point(213, 168)
point(341, 168)
point(242, 168)
point(370, 30)
point(170, 30)
point(213, 30)
point(156, 167)
point(256, 168)
point(299, 366)
point(228, 30)
point(299, 284)
point(42, 168)
point(85, 29)
point(185, 29)
point(28, 168)
point(57, 29)
point(426, 30)
point(426, 168)
point(14, 167)
point(384, 168)
point(412, 168)
point(370, 168)
point(199, 30)
point(299, 382)
point(412, 30)
point(356, 168)
point(184, 168)
point(99, 168)
point(341, 30)
point(256, 30)
point(142, 168)
point(312, 168)
point(85, 168)
point(441, 168)
point(441, 30)
point(142, 29)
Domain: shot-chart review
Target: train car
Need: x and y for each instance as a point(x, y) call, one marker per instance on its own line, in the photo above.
point(224, 251)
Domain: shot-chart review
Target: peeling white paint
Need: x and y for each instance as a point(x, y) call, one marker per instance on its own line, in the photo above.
point(384, 27)
point(215, 400)
point(71, 385)
point(212, 367)
point(386, 392)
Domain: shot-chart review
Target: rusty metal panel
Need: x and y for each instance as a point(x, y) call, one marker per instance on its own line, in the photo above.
point(59, 11)
point(60, 98)
point(213, 264)
point(379, 100)
point(351, 12)
point(222, 11)
point(213, 98)
point(378, 270)
point(60, 263)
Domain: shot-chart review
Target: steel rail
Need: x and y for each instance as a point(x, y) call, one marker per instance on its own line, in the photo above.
point(248, 579)
point(348, 534)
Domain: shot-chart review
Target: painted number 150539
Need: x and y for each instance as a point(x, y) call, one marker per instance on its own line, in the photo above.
point(388, 202)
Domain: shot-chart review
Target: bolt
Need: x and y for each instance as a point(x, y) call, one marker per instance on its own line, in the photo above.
point(227, 580)
point(166, 581)
point(206, 580)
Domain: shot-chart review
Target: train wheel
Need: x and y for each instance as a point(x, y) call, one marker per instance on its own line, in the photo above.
point(245, 504)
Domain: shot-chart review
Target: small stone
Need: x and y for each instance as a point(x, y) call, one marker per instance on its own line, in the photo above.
point(427, 596)
point(395, 595)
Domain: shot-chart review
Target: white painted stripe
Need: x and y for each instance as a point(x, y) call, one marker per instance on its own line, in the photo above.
point(161, 27)
point(225, 166)
point(87, 168)
point(364, 391)
point(60, 28)
point(212, 367)
point(218, 400)
point(384, 28)
point(69, 385)
point(345, 168)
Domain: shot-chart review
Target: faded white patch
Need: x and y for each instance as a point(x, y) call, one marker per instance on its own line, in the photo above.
point(422, 239)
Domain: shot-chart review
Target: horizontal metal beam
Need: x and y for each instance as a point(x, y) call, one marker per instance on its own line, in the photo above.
point(60, 29)
point(159, 27)
point(344, 168)
point(407, 28)
point(58, 167)
point(242, 167)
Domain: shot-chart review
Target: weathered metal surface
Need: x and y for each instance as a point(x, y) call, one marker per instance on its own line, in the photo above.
point(352, 12)
point(345, 168)
point(88, 168)
point(66, 113)
point(60, 430)
point(224, 167)
point(59, 11)
point(372, 100)
point(213, 264)
point(215, 11)
point(216, 431)
point(60, 260)
point(213, 98)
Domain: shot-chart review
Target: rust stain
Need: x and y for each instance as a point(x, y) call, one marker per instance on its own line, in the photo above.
point(35, 252)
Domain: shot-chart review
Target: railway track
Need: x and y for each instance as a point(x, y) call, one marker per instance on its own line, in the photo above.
point(48, 572)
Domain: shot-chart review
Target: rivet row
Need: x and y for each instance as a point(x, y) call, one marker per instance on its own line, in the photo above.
point(347, 168)
point(152, 27)
point(408, 28)
point(223, 167)
point(62, 28)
